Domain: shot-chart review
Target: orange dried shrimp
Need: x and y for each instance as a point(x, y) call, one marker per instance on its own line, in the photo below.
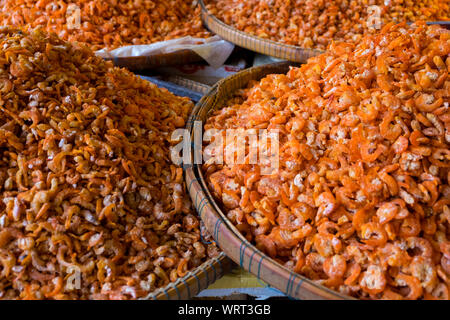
point(314, 24)
point(107, 23)
point(88, 195)
point(361, 200)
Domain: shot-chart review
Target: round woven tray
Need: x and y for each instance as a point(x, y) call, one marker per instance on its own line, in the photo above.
point(229, 239)
point(253, 43)
point(264, 46)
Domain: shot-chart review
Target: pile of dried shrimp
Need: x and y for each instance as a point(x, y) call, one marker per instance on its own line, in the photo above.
point(361, 200)
point(91, 207)
point(314, 24)
point(107, 23)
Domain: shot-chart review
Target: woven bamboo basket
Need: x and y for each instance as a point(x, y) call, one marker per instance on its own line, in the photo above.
point(264, 46)
point(253, 43)
point(157, 60)
point(224, 232)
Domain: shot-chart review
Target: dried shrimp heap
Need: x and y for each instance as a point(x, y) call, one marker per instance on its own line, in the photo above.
point(107, 23)
point(314, 24)
point(361, 200)
point(87, 188)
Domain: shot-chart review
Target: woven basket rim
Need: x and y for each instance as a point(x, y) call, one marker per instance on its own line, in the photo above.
point(272, 43)
point(275, 44)
point(210, 201)
point(175, 290)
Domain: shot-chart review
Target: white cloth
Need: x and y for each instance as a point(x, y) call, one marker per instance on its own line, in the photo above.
point(214, 50)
